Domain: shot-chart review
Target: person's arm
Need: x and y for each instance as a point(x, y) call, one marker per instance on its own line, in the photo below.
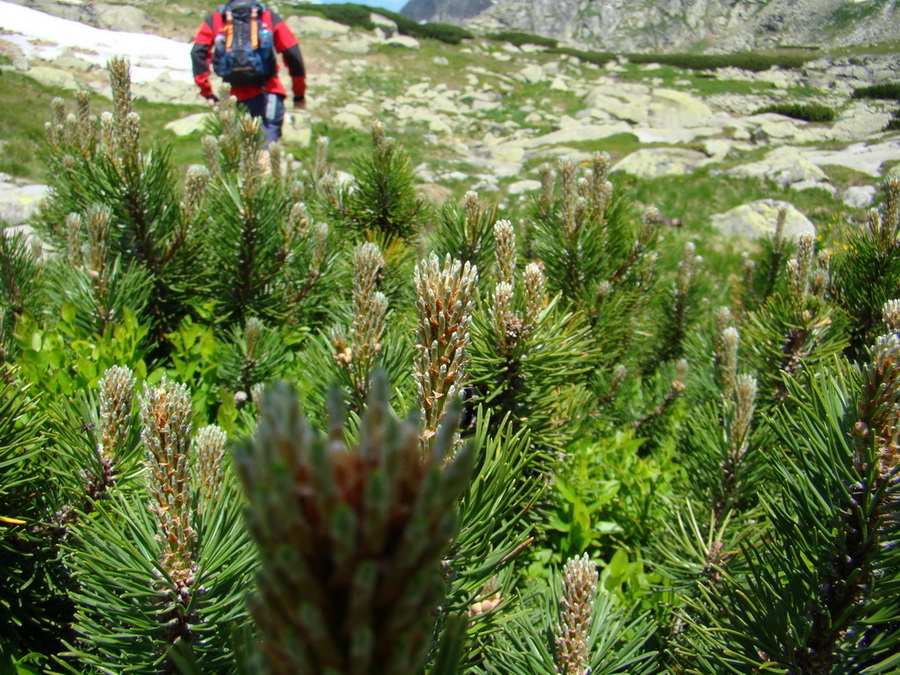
point(286, 44)
point(201, 55)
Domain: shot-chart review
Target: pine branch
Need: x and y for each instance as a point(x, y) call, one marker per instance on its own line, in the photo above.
point(350, 539)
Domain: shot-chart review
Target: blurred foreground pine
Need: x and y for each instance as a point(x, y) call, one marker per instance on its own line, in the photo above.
point(618, 459)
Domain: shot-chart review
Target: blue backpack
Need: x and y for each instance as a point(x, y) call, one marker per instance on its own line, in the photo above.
point(244, 52)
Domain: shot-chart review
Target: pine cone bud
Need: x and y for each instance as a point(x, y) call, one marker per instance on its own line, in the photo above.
point(579, 589)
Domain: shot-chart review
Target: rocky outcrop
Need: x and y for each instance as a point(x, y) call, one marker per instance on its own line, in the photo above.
point(659, 25)
point(452, 11)
point(758, 219)
point(656, 162)
point(18, 200)
point(111, 16)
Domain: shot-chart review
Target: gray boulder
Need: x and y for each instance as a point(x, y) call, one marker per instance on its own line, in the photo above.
point(19, 201)
point(656, 162)
point(786, 166)
point(165, 89)
point(125, 18)
point(53, 77)
point(316, 27)
point(861, 120)
point(758, 219)
point(671, 108)
point(383, 25)
point(188, 125)
point(403, 41)
point(859, 196)
point(297, 129)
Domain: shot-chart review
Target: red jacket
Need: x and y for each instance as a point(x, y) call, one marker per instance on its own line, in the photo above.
point(284, 41)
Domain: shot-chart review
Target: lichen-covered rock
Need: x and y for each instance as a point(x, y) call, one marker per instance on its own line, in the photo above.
point(18, 200)
point(186, 126)
point(859, 196)
point(758, 219)
point(120, 17)
point(532, 74)
point(403, 41)
point(670, 108)
point(862, 119)
point(786, 165)
point(316, 27)
point(656, 162)
point(53, 77)
point(297, 130)
point(383, 25)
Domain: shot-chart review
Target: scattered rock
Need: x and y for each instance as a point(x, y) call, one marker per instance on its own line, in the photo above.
point(864, 157)
point(165, 89)
point(120, 17)
point(188, 125)
point(718, 148)
point(509, 154)
point(859, 196)
point(18, 200)
point(574, 134)
point(383, 25)
point(316, 27)
point(670, 108)
point(639, 104)
point(72, 11)
point(297, 129)
point(623, 101)
point(349, 120)
point(799, 186)
point(758, 219)
point(434, 193)
point(352, 45)
point(786, 165)
point(404, 41)
point(656, 162)
point(768, 127)
point(358, 110)
point(53, 77)
point(69, 60)
point(779, 78)
point(861, 120)
point(532, 73)
point(523, 186)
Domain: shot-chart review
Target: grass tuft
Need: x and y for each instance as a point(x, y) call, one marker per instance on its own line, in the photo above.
point(807, 112)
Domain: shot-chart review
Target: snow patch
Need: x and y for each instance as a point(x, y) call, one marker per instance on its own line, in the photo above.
point(42, 36)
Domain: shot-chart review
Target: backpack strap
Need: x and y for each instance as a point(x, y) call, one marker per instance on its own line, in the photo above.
point(228, 30)
point(254, 29)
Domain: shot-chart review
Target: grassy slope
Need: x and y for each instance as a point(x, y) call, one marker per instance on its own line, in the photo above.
point(692, 199)
point(26, 107)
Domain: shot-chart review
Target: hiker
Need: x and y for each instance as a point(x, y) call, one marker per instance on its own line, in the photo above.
point(240, 40)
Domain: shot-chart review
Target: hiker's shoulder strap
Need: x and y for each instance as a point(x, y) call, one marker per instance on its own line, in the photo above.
point(241, 4)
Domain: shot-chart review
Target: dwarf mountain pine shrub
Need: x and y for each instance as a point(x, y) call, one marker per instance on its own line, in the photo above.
point(806, 112)
point(602, 471)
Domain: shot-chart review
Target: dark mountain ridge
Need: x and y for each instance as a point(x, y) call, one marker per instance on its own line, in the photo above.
point(661, 25)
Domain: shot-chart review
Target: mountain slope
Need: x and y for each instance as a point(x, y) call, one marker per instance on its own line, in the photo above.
point(649, 25)
point(446, 12)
